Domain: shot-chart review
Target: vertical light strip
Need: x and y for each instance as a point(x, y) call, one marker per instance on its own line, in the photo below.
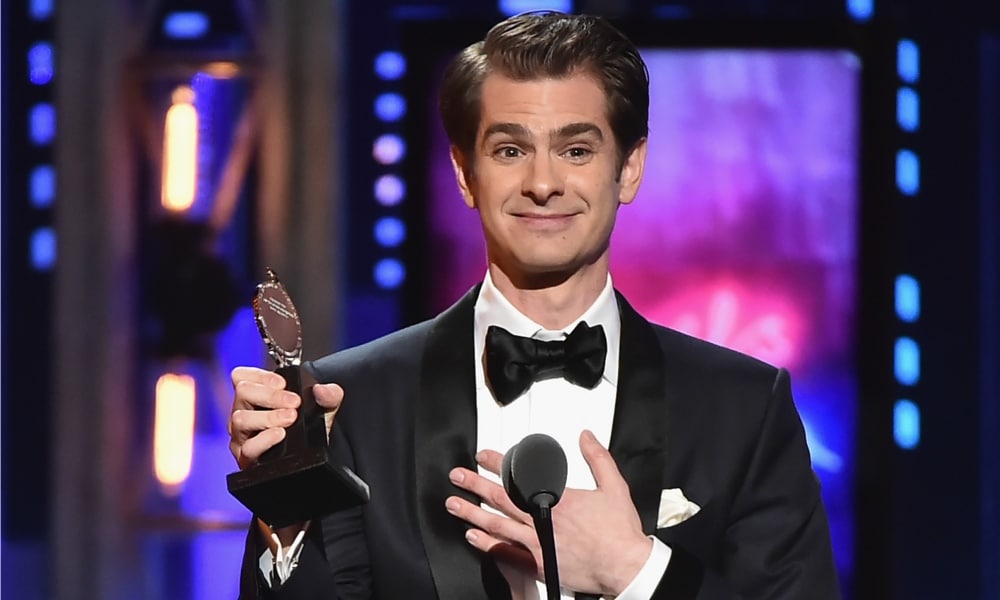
point(173, 430)
point(388, 150)
point(906, 362)
point(180, 152)
point(42, 126)
point(40, 72)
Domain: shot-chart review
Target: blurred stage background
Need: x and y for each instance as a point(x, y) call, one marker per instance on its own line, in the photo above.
point(823, 191)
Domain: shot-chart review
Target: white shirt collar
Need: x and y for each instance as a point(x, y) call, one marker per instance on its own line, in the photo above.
point(492, 308)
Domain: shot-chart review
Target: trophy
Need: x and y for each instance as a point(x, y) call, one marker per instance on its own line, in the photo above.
point(295, 480)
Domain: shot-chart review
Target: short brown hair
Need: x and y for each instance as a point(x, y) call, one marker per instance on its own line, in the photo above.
point(549, 44)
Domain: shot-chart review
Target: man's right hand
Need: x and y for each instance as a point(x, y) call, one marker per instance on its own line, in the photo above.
point(262, 408)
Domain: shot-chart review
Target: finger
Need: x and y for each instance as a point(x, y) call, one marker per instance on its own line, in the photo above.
point(490, 493)
point(491, 460)
point(602, 464)
point(251, 395)
point(249, 452)
point(245, 424)
point(502, 551)
point(255, 375)
point(495, 527)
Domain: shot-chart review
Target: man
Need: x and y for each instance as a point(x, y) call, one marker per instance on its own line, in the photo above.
point(707, 490)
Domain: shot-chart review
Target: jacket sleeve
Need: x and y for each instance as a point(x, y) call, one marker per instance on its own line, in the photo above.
point(777, 541)
point(334, 562)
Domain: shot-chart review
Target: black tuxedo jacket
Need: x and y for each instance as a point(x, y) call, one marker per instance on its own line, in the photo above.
point(717, 424)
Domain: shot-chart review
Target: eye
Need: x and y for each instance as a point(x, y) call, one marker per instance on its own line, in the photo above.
point(579, 153)
point(508, 152)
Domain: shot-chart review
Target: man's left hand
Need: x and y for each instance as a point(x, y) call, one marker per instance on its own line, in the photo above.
point(599, 540)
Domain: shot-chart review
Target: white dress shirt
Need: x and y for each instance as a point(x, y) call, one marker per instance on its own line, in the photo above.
point(557, 408)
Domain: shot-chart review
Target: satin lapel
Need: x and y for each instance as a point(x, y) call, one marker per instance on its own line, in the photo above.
point(445, 437)
point(639, 432)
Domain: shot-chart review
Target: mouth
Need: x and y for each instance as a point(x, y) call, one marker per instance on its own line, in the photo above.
point(545, 221)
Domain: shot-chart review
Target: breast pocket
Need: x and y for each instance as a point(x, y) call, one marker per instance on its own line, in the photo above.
point(700, 534)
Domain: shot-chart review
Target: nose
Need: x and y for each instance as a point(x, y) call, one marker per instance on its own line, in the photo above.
point(543, 179)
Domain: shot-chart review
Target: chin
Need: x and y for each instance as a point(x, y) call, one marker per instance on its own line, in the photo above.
point(545, 274)
point(538, 265)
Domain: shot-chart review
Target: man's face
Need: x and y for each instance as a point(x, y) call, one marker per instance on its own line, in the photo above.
point(543, 176)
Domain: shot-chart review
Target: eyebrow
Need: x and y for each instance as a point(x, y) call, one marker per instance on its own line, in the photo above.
point(512, 129)
point(575, 129)
point(516, 130)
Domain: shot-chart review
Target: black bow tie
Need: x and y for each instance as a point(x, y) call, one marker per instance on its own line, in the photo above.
point(514, 362)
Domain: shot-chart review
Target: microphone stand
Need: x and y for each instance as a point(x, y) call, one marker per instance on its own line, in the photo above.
point(546, 539)
point(534, 476)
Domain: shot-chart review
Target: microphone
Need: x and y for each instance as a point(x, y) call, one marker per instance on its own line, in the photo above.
point(534, 475)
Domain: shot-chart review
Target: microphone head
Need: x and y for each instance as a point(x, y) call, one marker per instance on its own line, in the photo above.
point(534, 472)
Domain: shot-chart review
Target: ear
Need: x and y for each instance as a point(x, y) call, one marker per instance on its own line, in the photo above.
point(459, 164)
point(631, 174)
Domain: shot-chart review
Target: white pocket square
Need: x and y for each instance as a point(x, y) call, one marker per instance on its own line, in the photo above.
point(674, 508)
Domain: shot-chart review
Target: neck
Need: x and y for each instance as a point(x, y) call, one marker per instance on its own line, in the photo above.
point(552, 300)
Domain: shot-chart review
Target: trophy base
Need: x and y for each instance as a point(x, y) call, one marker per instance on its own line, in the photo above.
point(297, 488)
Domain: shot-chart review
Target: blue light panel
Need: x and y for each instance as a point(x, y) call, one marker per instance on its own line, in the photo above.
point(390, 65)
point(43, 186)
point(43, 249)
point(860, 10)
point(389, 273)
point(907, 298)
point(42, 124)
point(908, 109)
point(390, 107)
point(40, 9)
point(186, 25)
point(907, 361)
point(515, 7)
point(40, 67)
point(907, 172)
point(390, 232)
point(906, 424)
point(908, 60)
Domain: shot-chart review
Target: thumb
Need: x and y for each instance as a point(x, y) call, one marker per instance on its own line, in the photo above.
point(328, 396)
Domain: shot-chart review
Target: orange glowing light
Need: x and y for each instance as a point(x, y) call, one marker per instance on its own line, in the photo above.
point(173, 430)
point(180, 152)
